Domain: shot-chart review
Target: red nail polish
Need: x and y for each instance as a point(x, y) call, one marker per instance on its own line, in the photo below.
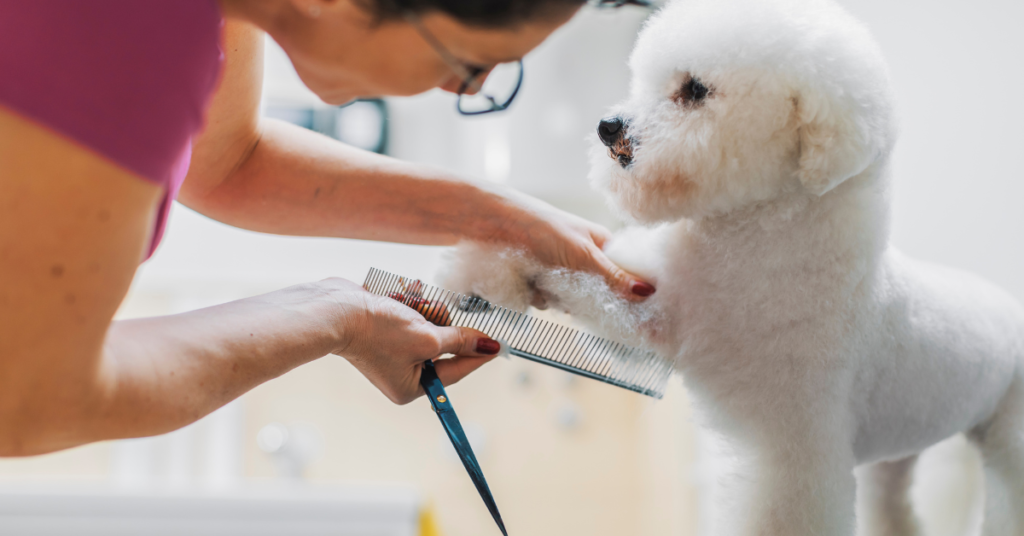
point(642, 289)
point(488, 346)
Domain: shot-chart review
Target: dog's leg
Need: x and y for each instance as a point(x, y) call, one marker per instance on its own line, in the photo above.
point(1001, 441)
point(883, 499)
point(804, 491)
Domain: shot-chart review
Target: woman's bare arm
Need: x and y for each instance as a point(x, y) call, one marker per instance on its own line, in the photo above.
point(273, 177)
point(73, 229)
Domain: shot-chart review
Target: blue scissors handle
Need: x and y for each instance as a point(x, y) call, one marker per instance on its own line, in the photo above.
point(443, 406)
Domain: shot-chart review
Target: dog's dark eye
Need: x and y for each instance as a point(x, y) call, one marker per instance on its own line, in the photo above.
point(692, 92)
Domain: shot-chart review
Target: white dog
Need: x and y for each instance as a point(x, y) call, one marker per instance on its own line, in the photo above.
point(756, 145)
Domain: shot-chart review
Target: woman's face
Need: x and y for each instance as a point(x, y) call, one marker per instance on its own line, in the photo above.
point(341, 54)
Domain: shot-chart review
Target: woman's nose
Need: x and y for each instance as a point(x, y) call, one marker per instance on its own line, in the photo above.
point(451, 84)
point(456, 84)
point(610, 130)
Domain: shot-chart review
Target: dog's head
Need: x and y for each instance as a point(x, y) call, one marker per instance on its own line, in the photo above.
point(735, 102)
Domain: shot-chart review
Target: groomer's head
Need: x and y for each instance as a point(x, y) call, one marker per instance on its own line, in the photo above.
point(343, 49)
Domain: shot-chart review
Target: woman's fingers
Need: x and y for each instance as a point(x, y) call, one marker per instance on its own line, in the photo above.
point(600, 236)
point(434, 311)
point(454, 369)
point(472, 350)
point(618, 279)
point(467, 342)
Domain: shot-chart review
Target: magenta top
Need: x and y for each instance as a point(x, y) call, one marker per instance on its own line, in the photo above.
point(129, 80)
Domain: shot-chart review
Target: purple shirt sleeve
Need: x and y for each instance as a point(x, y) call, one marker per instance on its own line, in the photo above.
point(127, 79)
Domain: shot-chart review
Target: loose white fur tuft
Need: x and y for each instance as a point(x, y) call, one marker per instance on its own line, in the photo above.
point(511, 279)
point(759, 136)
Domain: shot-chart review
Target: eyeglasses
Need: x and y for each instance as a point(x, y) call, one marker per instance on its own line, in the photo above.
point(494, 94)
point(618, 3)
point(503, 80)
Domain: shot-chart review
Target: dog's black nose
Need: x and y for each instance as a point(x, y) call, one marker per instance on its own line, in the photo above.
point(610, 130)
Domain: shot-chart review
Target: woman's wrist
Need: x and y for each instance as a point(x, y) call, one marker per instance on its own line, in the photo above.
point(500, 216)
point(343, 308)
point(554, 238)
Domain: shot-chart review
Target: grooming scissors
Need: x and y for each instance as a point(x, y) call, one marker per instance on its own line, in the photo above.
point(446, 413)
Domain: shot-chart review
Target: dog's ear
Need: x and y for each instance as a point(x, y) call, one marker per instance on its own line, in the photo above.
point(834, 142)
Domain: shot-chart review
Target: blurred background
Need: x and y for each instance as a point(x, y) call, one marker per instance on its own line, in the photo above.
point(320, 451)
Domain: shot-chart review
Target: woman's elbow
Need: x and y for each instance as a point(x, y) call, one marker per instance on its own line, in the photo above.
point(30, 426)
point(18, 442)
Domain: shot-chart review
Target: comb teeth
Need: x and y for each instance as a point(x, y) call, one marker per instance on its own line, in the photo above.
point(530, 337)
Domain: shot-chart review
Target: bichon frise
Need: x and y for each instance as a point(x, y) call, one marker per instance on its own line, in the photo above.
point(755, 146)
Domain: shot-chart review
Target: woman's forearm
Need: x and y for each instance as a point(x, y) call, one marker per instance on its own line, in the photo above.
point(270, 176)
point(159, 374)
point(297, 182)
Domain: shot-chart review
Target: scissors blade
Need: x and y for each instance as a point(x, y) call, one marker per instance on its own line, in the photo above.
point(446, 413)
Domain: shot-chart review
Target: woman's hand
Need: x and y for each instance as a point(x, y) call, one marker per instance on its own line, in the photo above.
point(389, 341)
point(558, 238)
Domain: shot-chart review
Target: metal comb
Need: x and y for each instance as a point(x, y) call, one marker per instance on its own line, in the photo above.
point(530, 337)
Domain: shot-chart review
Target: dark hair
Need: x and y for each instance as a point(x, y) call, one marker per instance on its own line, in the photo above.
point(487, 13)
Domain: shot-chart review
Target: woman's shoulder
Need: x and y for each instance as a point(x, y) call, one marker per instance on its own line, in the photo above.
point(129, 79)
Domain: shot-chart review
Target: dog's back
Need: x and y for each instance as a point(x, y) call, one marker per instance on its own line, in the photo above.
point(947, 348)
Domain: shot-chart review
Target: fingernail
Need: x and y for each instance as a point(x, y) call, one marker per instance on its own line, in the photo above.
point(488, 346)
point(642, 289)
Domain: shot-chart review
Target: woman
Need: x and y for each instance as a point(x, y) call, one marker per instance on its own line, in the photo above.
point(104, 107)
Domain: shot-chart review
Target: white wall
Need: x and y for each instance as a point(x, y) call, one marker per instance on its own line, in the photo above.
point(958, 68)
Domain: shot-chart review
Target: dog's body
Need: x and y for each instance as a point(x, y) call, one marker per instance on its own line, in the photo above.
point(810, 361)
point(808, 342)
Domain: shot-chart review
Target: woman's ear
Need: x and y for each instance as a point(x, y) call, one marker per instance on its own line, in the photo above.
point(835, 141)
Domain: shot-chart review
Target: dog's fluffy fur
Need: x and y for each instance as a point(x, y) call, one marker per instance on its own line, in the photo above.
point(807, 341)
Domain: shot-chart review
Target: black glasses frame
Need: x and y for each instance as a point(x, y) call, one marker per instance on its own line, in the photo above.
point(495, 105)
point(469, 74)
point(619, 3)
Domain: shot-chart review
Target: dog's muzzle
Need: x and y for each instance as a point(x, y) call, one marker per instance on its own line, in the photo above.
point(612, 131)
